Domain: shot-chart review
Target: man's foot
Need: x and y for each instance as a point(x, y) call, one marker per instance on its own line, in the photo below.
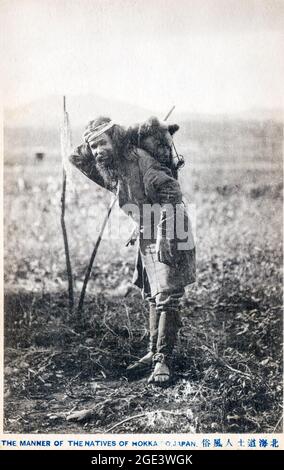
point(161, 374)
point(140, 367)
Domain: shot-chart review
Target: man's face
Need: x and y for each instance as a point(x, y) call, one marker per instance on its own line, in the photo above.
point(103, 150)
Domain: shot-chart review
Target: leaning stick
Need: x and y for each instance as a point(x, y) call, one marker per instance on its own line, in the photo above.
point(169, 113)
point(94, 253)
point(65, 146)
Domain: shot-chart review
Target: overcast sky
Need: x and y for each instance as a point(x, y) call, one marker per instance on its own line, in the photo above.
point(202, 55)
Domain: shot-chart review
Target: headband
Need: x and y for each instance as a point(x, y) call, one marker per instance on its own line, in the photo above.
point(91, 134)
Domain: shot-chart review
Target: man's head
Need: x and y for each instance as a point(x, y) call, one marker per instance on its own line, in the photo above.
point(106, 140)
point(102, 149)
point(103, 134)
point(155, 137)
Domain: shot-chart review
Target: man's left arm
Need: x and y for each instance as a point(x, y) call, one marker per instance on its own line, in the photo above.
point(160, 186)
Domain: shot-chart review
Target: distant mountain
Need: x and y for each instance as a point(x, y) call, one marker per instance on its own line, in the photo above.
point(47, 112)
point(36, 126)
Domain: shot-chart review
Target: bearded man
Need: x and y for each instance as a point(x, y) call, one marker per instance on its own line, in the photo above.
point(165, 261)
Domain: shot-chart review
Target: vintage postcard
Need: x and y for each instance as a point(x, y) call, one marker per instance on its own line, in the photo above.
point(142, 224)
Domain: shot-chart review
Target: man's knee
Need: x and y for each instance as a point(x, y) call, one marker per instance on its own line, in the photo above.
point(169, 302)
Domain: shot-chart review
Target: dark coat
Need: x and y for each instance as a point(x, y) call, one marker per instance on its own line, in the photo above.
point(143, 180)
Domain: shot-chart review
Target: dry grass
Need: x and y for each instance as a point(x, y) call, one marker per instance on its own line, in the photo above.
point(228, 356)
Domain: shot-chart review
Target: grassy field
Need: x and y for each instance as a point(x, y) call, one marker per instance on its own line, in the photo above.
point(228, 375)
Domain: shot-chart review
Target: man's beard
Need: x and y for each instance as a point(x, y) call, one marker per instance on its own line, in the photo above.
point(107, 169)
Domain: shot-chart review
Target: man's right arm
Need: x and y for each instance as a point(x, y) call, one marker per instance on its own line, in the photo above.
point(83, 159)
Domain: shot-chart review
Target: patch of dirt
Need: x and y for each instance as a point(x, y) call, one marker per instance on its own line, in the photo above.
point(227, 371)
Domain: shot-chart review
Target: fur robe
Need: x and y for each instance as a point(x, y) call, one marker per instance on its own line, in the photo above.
point(143, 180)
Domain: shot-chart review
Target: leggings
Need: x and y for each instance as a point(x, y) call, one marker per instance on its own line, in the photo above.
point(167, 302)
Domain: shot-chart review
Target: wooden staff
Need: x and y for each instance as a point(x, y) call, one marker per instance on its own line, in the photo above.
point(93, 255)
point(65, 149)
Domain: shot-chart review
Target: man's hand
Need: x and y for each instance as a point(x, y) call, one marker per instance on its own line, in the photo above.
point(133, 237)
point(166, 244)
point(166, 249)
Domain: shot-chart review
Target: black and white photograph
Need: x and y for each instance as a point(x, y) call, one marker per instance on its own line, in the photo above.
point(142, 217)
